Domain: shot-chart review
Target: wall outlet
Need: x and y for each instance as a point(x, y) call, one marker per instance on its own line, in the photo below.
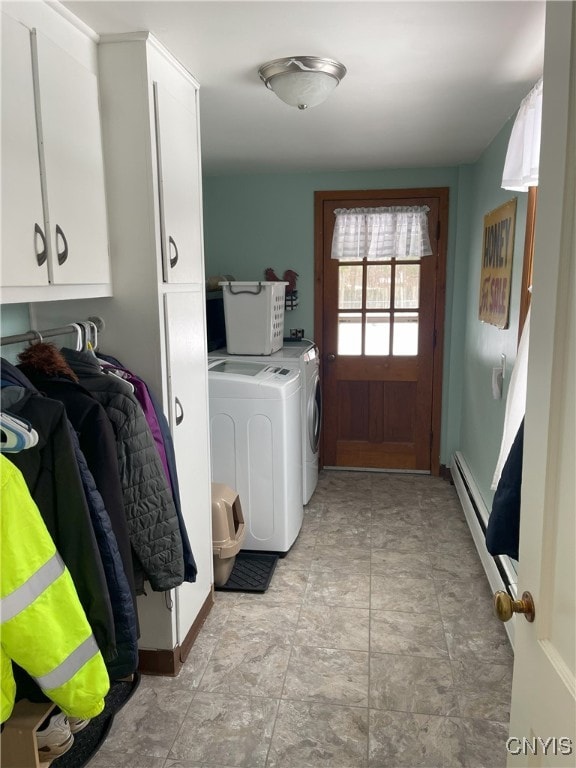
point(296, 333)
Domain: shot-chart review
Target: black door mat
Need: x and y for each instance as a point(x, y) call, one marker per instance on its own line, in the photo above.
point(252, 572)
point(89, 740)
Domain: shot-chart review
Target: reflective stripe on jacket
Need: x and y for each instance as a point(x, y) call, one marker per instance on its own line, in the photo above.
point(44, 628)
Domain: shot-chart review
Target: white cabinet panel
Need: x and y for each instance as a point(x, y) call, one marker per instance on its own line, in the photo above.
point(54, 223)
point(188, 397)
point(23, 247)
point(179, 186)
point(72, 148)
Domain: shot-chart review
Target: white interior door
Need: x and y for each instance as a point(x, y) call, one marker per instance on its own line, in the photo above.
point(544, 689)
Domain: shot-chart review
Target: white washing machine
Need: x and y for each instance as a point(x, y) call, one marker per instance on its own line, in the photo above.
point(255, 446)
point(304, 356)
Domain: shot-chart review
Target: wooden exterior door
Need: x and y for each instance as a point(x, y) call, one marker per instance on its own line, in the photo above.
point(379, 326)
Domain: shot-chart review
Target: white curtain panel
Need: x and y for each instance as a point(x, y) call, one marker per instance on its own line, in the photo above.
point(523, 155)
point(381, 233)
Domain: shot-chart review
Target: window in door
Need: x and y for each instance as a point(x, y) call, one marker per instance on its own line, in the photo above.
point(378, 305)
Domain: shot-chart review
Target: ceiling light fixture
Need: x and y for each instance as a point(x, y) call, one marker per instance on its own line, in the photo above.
point(302, 81)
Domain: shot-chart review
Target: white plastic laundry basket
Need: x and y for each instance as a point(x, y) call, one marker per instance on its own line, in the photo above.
point(254, 316)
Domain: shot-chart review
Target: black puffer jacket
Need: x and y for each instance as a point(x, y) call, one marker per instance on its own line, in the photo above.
point(148, 504)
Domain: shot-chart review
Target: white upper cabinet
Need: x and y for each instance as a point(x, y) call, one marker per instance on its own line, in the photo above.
point(24, 249)
point(152, 147)
point(178, 160)
point(54, 224)
point(70, 124)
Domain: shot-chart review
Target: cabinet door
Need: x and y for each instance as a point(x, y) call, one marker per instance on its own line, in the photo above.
point(23, 246)
point(179, 185)
point(75, 207)
point(188, 414)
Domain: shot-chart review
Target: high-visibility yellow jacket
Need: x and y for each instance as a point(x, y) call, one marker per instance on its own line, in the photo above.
point(43, 625)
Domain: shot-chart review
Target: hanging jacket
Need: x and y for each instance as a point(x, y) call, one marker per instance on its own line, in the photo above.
point(98, 445)
point(44, 628)
point(52, 476)
point(141, 394)
point(125, 626)
point(148, 504)
point(503, 529)
point(190, 569)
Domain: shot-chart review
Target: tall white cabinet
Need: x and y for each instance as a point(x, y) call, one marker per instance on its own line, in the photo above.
point(155, 321)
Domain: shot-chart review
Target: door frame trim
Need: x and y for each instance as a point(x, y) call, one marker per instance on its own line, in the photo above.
point(442, 193)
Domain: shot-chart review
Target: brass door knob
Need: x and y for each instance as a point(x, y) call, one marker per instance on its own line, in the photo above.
point(331, 357)
point(504, 606)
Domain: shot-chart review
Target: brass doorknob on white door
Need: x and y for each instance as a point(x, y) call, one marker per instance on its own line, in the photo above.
point(505, 606)
point(331, 357)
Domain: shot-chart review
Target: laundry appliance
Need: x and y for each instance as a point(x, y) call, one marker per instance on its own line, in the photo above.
point(304, 356)
point(255, 446)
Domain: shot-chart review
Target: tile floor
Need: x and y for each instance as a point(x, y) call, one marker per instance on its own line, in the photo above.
point(374, 647)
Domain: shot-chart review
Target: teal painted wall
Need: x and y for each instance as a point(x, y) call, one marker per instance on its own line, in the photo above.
point(256, 221)
point(482, 417)
point(267, 220)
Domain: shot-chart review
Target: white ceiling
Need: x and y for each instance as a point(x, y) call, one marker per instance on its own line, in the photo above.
point(428, 83)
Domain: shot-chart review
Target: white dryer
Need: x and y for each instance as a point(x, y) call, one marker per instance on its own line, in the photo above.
point(304, 356)
point(255, 446)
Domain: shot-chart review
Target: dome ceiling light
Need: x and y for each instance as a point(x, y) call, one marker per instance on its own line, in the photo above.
point(302, 81)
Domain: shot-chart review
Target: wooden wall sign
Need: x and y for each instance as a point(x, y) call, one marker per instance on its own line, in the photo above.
point(496, 273)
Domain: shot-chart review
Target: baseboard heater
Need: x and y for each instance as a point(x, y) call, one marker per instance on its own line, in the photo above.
point(499, 570)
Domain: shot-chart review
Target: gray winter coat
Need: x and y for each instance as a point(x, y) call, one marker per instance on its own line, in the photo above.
point(150, 512)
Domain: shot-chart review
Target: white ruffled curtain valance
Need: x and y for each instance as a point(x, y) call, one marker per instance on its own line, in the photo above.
point(381, 233)
point(523, 156)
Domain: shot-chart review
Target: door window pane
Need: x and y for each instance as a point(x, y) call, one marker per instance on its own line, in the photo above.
point(405, 340)
point(350, 334)
point(350, 287)
point(378, 333)
point(407, 287)
point(378, 277)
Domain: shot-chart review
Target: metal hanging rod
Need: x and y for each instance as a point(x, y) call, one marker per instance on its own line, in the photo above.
point(34, 335)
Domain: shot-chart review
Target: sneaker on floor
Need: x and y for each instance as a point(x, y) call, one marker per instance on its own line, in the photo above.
point(55, 738)
point(78, 723)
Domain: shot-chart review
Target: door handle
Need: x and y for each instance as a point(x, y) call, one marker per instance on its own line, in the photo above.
point(173, 259)
point(331, 357)
point(180, 415)
point(63, 254)
point(504, 606)
point(41, 255)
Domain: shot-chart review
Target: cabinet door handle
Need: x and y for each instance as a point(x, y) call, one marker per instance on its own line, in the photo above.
point(63, 254)
point(41, 255)
point(179, 416)
point(173, 259)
